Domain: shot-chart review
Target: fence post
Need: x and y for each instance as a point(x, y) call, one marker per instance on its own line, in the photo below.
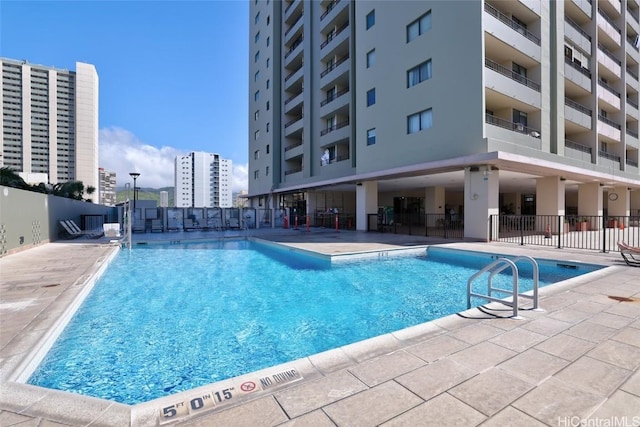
point(560, 232)
point(491, 228)
point(604, 234)
point(521, 230)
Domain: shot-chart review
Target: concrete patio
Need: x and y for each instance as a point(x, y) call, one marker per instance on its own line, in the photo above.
point(577, 360)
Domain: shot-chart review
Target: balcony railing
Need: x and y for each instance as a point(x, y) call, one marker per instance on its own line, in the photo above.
point(294, 45)
point(632, 103)
point(632, 13)
point(632, 133)
point(334, 127)
point(291, 171)
point(573, 104)
point(292, 73)
point(577, 67)
point(609, 20)
point(332, 97)
point(333, 34)
point(578, 28)
point(632, 42)
point(609, 88)
point(511, 74)
point(289, 6)
point(335, 160)
point(609, 54)
point(516, 127)
point(290, 122)
point(289, 99)
point(609, 122)
point(292, 146)
point(334, 65)
point(632, 74)
point(609, 156)
point(632, 163)
point(293, 25)
point(577, 146)
point(511, 23)
point(329, 8)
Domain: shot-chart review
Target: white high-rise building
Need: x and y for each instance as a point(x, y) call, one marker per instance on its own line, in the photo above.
point(50, 122)
point(419, 105)
point(203, 180)
point(164, 199)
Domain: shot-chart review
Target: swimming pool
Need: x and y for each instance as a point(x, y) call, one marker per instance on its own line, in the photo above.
point(168, 318)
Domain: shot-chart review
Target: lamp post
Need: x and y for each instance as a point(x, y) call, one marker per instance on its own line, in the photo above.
point(135, 176)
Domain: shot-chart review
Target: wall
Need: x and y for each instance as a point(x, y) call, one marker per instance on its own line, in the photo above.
point(29, 219)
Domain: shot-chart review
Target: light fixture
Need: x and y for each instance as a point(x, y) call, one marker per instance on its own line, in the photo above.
point(135, 176)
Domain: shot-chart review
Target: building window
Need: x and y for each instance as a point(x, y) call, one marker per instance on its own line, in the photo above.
point(268, 41)
point(371, 136)
point(256, 154)
point(419, 121)
point(268, 61)
point(267, 148)
point(268, 127)
point(371, 19)
point(256, 115)
point(257, 18)
point(256, 56)
point(256, 174)
point(257, 37)
point(266, 171)
point(256, 76)
point(256, 134)
point(268, 83)
point(268, 105)
point(419, 26)
point(371, 58)
point(256, 95)
point(268, 19)
point(419, 73)
point(371, 97)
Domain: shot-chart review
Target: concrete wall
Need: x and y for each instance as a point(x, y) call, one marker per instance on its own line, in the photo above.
point(28, 219)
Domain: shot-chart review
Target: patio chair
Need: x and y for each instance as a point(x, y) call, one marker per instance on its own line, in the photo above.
point(69, 232)
point(93, 234)
point(190, 224)
point(630, 254)
point(156, 225)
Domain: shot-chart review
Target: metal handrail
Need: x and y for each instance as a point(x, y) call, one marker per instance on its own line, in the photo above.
point(292, 73)
point(294, 45)
point(573, 104)
point(291, 171)
point(334, 65)
point(293, 25)
point(334, 34)
point(577, 146)
point(632, 133)
point(609, 54)
point(334, 127)
point(608, 156)
point(609, 88)
point(632, 103)
point(292, 146)
point(290, 122)
point(577, 67)
point(609, 121)
point(577, 28)
point(329, 8)
point(511, 23)
point(506, 124)
point(632, 74)
point(492, 65)
point(333, 97)
point(609, 20)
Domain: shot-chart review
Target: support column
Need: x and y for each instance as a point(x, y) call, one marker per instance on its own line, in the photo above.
point(590, 202)
point(366, 203)
point(619, 203)
point(434, 200)
point(550, 191)
point(481, 189)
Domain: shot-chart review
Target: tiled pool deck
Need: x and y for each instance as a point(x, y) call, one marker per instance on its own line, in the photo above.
point(577, 361)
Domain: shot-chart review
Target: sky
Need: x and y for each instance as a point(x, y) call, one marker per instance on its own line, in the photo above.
point(173, 75)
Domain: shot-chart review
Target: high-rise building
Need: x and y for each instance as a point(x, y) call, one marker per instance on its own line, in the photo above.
point(50, 122)
point(203, 180)
point(476, 106)
point(107, 187)
point(164, 199)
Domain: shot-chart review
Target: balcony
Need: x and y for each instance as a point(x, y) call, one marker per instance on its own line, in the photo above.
point(579, 36)
point(334, 127)
point(609, 27)
point(336, 96)
point(577, 113)
point(632, 108)
point(516, 127)
point(609, 160)
point(330, 7)
point(511, 23)
point(293, 150)
point(575, 150)
point(632, 74)
point(633, 43)
point(293, 77)
point(333, 34)
point(609, 61)
point(608, 94)
point(632, 13)
point(513, 85)
point(584, 6)
point(293, 126)
point(334, 66)
point(577, 74)
point(293, 101)
point(608, 128)
point(294, 45)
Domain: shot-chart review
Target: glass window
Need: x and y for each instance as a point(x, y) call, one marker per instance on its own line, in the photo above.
point(256, 56)
point(419, 73)
point(371, 58)
point(268, 41)
point(257, 37)
point(268, 20)
point(256, 154)
point(256, 174)
point(256, 95)
point(266, 172)
point(371, 97)
point(268, 126)
point(256, 115)
point(419, 26)
point(420, 121)
point(256, 135)
point(268, 83)
point(268, 61)
point(371, 136)
point(256, 76)
point(257, 18)
point(371, 19)
point(267, 148)
point(268, 105)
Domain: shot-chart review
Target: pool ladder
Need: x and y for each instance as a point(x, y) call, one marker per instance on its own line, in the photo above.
point(498, 266)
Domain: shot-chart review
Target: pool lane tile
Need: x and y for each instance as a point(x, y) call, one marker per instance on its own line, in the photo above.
point(566, 346)
point(518, 339)
point(435, 378)
point(617, 353)
point(491, 391)
point(620, 406)
point(510, 416)
point(374, 406)
point(593, 376)
point(263, 412)
point(533, 365)
point(386, 367)
point(482, 356)
point(437, 348)
point(474, 334)
point(312, 419)
point(546, 326)
point(443, 410)
point(315, 394)
point(554, 400)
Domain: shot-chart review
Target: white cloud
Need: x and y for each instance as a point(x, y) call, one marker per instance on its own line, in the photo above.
point(122, 152)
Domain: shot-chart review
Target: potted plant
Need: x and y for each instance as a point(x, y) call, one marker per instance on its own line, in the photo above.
point(582, 224)
point(612, 222)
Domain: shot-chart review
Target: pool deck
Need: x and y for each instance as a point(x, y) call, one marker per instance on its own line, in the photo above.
point(576, 361)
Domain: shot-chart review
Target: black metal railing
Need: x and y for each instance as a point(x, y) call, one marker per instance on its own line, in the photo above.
point(609, 54)
point(292, 26)
point(609, 88)
point(632, 13)
point(632, 133)
point(609, 156)
point(334, 96)
point(333, 34)
point(291, 98)
point(336, 159)
point(506, 124)
point(577, 28)
point(291, 122)
point(292, 171)
point(292, 73)
point(630, 162)
point(334, 127)
point(590, 232)
point(632, 74)
point(289, 6)
point(334, 65)
point(511, 23)
point(573, 104)
point(577, 67)
point(632, 103)
point(609, 20)
point(294, 45)
point(492, 65)
point(292, 146)
point(577, 146)
point(330, 7)
point(609, 122)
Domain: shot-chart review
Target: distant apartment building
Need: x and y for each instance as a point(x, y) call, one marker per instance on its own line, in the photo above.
point(419, 105)
point(164, 199)
point(50, 122)
point(107, 187)
point(203, 180)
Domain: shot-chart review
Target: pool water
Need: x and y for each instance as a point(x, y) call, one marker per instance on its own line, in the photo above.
point(168, 318)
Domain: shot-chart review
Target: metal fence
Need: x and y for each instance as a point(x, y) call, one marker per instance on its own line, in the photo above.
point(445, 226)
point(600, 233)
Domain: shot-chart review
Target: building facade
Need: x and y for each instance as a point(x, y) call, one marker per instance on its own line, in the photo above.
point(474, 106)
point(50, 122)
point(203, 180)
point(107, 187)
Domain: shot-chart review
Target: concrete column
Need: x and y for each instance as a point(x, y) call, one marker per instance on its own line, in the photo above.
point(549, 203)
point(481, 189)
point(434, 200)
point(619, 202)
point(590, 202)
point(366, 203)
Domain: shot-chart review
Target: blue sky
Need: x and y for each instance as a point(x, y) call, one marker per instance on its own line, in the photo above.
point(173, 75)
